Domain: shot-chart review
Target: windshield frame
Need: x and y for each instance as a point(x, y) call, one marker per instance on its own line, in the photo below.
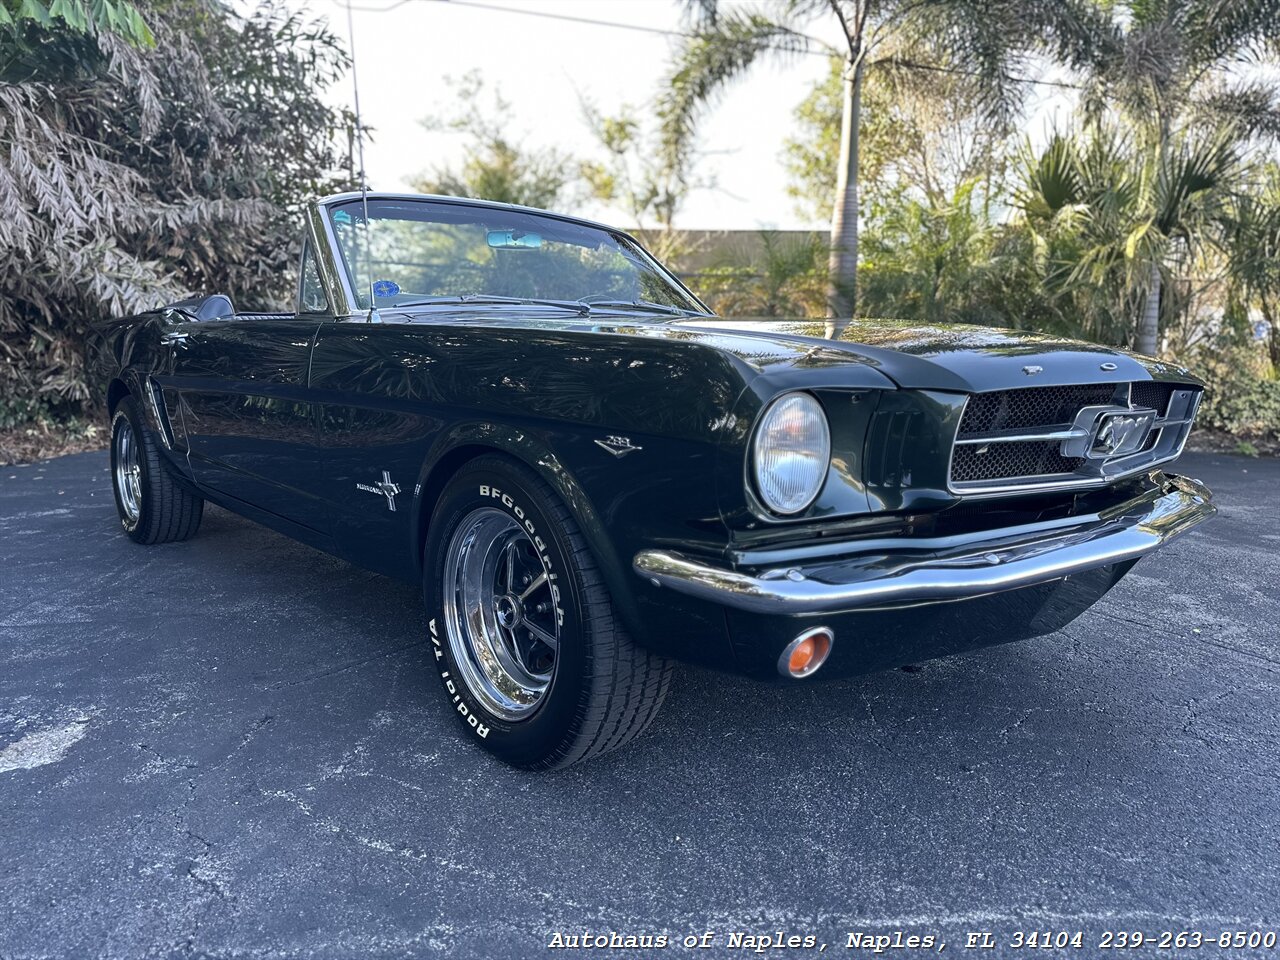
point(342, 277)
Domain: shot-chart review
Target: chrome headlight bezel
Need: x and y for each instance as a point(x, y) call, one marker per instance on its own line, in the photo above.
point(809, 451)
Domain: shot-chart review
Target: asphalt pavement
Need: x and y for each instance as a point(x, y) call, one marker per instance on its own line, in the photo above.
point(233, 747)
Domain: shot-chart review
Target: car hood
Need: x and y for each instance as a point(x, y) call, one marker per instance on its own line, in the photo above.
point(799, 354)
point(955, 357)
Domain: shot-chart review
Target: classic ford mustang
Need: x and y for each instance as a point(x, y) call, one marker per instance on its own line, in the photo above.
point(591, 475)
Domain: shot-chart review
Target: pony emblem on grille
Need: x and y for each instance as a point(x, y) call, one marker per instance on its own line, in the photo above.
point(1119, 434)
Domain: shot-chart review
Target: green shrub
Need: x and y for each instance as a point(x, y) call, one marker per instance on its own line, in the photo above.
point(1243, 395)
point(132, 177)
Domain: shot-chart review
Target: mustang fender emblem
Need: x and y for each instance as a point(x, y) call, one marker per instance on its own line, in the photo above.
point(618, 446)
point(1031, 370)
point(386, 488)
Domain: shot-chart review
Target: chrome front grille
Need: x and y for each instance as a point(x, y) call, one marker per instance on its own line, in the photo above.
point(1031, 407)
point(1020, 458)
point(1153, 394)
point(1038, 437)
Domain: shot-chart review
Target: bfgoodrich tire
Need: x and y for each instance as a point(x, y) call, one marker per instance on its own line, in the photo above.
point(533, 660)
point(153, 506)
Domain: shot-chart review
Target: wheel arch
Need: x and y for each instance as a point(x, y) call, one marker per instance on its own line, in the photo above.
point(117, 390)
point(469, 441)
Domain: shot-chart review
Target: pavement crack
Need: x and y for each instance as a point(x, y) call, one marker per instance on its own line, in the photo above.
point(1022, 718)
point(1199, 638)
point(874, 733)
point(311, 678)
point(166, 762)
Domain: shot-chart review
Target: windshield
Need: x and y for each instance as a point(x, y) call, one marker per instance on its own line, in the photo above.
point(415, 250)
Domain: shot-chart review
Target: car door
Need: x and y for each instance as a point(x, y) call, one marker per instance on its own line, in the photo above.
point(246, 411)
point(375, 425)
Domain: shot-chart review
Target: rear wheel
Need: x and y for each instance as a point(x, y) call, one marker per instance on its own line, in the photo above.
point(153, 505)
point(530, 651)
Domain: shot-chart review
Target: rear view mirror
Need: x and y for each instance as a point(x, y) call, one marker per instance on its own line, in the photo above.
point(513, 240)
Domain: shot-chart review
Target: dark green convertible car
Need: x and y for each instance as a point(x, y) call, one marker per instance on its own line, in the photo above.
point(592, 476)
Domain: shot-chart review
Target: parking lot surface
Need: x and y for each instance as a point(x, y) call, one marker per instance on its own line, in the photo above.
point(233, 747)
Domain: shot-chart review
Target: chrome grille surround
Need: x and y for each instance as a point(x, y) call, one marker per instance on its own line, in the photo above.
point(1047, 438)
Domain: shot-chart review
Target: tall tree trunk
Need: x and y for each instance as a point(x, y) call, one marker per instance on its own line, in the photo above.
point(842, 267)
point(1149, 322)
point(1273, 336)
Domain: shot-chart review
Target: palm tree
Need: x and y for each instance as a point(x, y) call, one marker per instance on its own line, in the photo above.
point(1170, 65)
point(936, 261)
point(1254, 232)
point(982, 38)
point(1104, 214)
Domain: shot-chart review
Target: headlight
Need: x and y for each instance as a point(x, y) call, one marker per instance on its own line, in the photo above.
point(791, 451)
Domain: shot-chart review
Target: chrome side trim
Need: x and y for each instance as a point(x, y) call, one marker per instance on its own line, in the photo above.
point(911, 576)
point(1018, 436)
point(156, 402)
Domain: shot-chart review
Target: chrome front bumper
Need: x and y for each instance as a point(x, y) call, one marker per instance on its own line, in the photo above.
point(883, 574)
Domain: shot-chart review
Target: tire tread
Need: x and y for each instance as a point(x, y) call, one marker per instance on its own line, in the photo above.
point(626, 683)
point(170, 512)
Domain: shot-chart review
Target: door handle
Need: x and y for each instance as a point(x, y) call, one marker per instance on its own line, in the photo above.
point(176, 337)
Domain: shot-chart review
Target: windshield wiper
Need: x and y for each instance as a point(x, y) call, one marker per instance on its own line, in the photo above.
point(581, 309)
point(647, 306)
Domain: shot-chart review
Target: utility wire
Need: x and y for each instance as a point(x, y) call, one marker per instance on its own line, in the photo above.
point(545, 14)
point(660, 31)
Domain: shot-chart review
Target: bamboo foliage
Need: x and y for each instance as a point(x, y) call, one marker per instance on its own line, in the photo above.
point(132, 174)
point(105, 17)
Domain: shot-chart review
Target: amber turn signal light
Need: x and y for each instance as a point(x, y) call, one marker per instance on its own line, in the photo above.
point(806, 653)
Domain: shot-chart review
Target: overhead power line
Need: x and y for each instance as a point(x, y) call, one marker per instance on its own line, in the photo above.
point(544, 14)
point(684, 35)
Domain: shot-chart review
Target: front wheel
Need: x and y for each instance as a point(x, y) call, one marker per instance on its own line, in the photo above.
point(531, 654)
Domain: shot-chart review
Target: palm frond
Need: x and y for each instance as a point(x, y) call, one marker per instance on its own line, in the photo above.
point(1223, 29)
point(1193, 181)
point(131, 178)
point(1251, 106)
point(1051, 180)
point(1080, 34)
point(706, 63)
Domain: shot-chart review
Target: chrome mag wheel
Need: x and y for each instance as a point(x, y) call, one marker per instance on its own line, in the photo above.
point(500, 614)
point(128, 470)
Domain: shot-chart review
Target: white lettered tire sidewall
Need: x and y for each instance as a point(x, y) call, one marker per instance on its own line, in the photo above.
point(533, 740)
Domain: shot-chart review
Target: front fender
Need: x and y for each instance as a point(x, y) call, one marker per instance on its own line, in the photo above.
point(464, 441)
point(130, 353)
point(621, 505)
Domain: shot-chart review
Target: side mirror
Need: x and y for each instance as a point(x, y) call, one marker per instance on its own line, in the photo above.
point(216, 306)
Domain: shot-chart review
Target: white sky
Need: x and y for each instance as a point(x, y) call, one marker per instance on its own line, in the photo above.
point(543, 67)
